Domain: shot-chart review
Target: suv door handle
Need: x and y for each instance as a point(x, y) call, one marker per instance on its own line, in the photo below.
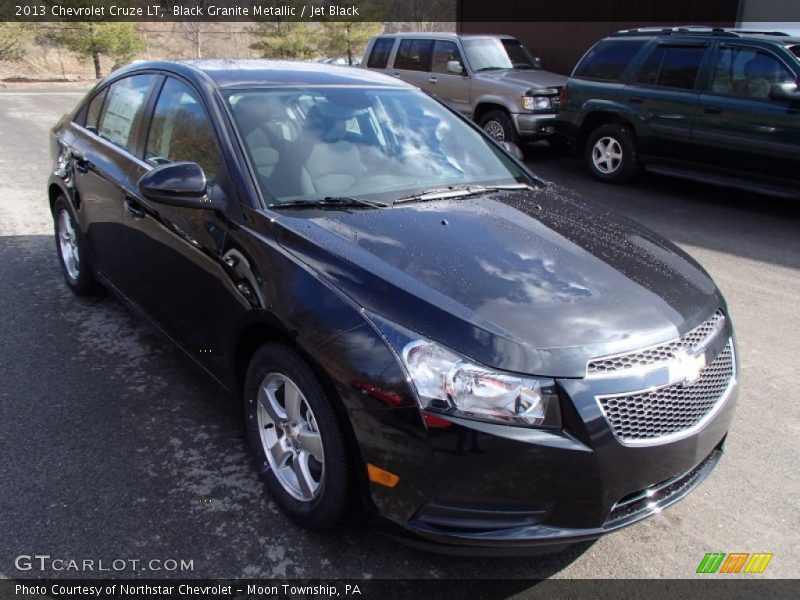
point(635, 100)
point(395, 74)
point(432, 79)
point(133, 207)
point(712, 110)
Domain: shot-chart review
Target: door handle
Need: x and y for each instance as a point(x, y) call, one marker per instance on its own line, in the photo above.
point(635, 100)
point(432, 79)
point(134, 208)
point(712, 110)
point(395, 74)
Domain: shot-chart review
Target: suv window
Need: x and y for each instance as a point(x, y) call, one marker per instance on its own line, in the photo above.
point(381, 50)
point(414, 55)
point(123, 109)
point(443, 53)
point(795, 50)
point(94, 108)
point(608, 59)
point(748, 72)
point(181, 130)
point(672, 66)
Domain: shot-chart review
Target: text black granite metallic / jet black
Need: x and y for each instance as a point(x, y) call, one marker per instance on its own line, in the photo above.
point(414, 323)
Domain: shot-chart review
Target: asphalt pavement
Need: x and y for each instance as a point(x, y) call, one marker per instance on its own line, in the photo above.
point(113, 445)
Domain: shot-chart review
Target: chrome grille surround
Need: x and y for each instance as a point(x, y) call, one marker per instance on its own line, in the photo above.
point(621, 364)
point(673, 411)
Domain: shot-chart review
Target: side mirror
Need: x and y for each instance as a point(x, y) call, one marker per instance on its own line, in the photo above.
point(513, 150)
point(177, 184)
point(453, 66)
point(784, 91)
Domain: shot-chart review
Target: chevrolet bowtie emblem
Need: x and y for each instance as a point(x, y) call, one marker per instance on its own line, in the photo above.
point(686, 368)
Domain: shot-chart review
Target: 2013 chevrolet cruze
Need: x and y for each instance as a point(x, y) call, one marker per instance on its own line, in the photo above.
point(412, 320)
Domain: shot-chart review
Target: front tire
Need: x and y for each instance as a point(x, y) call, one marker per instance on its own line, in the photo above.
point(296, 438)
point(611, 153)
point(498, 125)
point(73, 255)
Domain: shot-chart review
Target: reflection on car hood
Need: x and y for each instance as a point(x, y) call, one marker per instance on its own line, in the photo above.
point(526, 79)
point(525, 281)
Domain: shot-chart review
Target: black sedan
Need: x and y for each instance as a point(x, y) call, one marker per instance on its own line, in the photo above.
point(414, 324)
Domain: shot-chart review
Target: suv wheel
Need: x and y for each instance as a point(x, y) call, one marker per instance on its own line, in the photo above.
point(499, 126)
point(296, 438)
point(611, 153)
point(72, 252)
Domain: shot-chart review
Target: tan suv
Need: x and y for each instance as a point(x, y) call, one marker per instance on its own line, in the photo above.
point(493, 79)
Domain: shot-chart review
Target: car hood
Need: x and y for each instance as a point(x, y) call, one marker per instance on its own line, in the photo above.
point(532, 282)
point(525, 79)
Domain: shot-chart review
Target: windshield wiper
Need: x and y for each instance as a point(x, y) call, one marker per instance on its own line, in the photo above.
point(491, 69)
point(330, 202)
point(460, 191)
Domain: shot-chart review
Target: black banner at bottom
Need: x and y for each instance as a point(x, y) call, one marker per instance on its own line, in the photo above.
point(384, 589)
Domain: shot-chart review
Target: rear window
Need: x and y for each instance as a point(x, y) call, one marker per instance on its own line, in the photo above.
point(608, 59)
point(123, 109)
point(672, 66)
point(414, 55)
point(380, 53)
point(795, 50)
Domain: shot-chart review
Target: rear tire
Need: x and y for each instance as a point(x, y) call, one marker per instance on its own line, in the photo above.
point(611, 153)
point(73, 254)
point(296, 438)
point(499, 126)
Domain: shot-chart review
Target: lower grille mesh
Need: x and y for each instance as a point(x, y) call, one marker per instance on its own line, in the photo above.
point(647, 416)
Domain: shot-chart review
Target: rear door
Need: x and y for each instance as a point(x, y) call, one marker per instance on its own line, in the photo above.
point(664, 96)
point(451, 88)
point(412, 62)
point(739, 128)
point(104, 161)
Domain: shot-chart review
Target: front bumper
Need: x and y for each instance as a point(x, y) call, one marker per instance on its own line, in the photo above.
point(534, 125)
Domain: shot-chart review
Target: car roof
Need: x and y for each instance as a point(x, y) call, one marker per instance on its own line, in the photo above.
point(776, 36)
point(233, 73)
point(442, 34)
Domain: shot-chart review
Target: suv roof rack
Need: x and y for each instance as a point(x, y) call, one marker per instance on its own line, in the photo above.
point(761, 32)
point(681, 30)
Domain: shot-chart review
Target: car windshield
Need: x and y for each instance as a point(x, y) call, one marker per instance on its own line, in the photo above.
point(309, 144)
point(487, 54)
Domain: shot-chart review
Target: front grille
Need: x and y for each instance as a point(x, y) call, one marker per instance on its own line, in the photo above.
point(656, 354)
point(662, 494)
point(649, 415)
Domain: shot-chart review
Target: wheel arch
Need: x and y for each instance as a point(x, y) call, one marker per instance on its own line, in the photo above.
point(594, 119)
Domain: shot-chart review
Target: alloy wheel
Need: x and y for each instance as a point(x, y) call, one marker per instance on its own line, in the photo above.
point(607, 155)
point(290, 437)
point(68, 244)
point(495, 130)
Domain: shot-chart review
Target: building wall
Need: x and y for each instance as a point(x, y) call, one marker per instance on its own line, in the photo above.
point(561, 44)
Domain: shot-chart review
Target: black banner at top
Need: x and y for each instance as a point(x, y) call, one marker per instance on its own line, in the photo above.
point(672, 11)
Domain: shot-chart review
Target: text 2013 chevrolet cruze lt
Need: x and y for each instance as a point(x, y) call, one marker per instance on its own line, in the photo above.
point(414, 323)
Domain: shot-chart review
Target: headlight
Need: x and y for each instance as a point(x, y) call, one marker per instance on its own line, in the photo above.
point(452, 384)
point(536, 103)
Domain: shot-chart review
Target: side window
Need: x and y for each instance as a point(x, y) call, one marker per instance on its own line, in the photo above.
point(672, 66)
point(381, 50)
point(93, 110)
point(414, 55)
point(443, 53)
point(181, 130)
point(747, 72)
point(123, 109)
point(607, 60)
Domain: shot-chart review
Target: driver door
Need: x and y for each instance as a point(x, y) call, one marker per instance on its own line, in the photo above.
point(176, 252)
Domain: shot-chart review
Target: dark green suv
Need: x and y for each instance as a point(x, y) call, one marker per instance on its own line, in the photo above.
point(714, 105)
